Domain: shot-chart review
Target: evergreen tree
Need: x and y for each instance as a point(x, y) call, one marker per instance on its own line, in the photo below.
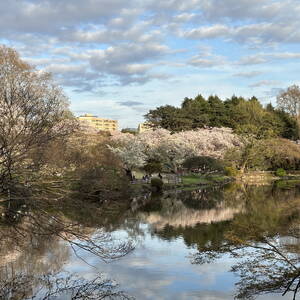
point(241, 114)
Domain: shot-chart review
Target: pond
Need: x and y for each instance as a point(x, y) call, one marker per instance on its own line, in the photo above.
point(226, 242)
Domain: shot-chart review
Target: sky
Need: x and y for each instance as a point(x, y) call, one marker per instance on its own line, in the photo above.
point(120, 58)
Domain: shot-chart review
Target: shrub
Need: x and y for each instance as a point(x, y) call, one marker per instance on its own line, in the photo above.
point(157, 184)
point(280, 172)
point(231, 171)
point(204, 164)
point(153, 166)
point(269, 154)
point(102, 183)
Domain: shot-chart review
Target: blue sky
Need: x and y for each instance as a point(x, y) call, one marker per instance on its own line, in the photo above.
point(120, 58)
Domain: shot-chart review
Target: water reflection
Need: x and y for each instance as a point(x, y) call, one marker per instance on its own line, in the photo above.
point(189, 245)
point(259, 227)
point(37, 240)
point(266, 240)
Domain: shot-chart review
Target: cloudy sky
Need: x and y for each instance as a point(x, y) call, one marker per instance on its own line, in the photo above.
point(120, 58)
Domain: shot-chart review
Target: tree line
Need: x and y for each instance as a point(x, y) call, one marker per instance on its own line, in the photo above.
point(38, 133)
point(244, 116)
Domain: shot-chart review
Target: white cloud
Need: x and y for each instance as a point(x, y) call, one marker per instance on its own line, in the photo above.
point(253, 60)
point(257, 34)
point(286, 55)
point(205, 32)
point(204, 62)
point(100, 46)
point(249, 74)
point(264, 83)
point(246, 10)
point(261, 58)
point(48, 17)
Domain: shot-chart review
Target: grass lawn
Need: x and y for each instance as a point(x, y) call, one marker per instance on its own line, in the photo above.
point(287, 184)
point(187, 180)
point(194, 179)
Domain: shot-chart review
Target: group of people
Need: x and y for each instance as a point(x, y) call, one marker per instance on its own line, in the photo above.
point(147, 178)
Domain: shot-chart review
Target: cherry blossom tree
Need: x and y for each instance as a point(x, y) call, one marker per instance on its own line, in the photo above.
point(130, 150)
point(172, 149)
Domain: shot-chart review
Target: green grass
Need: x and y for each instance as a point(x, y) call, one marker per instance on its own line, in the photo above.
point(189, 179)
point(195, 179)
point(287, 184)
point(218, 178)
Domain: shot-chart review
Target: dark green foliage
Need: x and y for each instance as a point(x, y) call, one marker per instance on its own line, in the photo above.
point(203, 164)
point(129, 130)
point(237, 112)
point(280, 153)
point(157, 184)
point(155, 205)
point(280, 172)
point(217, 114)
point(265, 154)
point(169, 117)
point(102, 183)
point(153, 166)
point(231, 171)
point(290, 128)
point(287, 184)
point(196, 111)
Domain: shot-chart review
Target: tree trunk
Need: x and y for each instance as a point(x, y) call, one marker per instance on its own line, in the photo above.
point(243, 167)
point(129, 174)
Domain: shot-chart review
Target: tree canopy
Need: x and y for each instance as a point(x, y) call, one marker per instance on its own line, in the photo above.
point(238, 113)
point(171, 150)
point(33, 111)
point(203, 164)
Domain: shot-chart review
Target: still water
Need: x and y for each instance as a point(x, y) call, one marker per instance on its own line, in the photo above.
point(212, 243)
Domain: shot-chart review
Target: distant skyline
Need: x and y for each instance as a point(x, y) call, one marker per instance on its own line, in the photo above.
point(118, 59)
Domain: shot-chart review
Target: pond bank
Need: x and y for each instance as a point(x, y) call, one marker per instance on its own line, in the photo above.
point(265, 178)
point(190, 181)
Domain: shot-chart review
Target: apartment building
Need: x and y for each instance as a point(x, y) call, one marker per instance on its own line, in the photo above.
point(99, 123)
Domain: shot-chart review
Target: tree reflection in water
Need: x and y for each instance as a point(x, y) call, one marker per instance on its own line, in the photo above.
point(36, 238)
point(259, 226)
point(266, 241)
point(50, 286)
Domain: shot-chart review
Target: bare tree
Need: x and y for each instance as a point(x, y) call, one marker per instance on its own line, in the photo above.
point(55, 286)
point(289, 100)
point(29, 231)
point(33, 111)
